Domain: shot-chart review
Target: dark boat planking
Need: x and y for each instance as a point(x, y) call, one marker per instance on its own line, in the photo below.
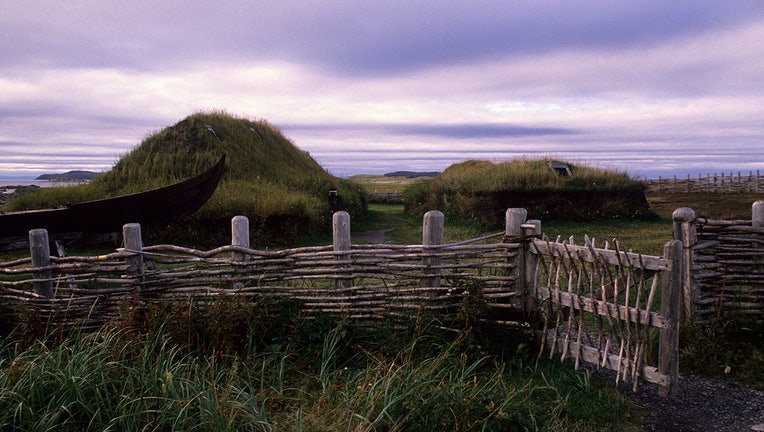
point(109, 215)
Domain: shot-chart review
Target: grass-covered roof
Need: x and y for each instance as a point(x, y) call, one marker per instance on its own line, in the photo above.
point(281, 188)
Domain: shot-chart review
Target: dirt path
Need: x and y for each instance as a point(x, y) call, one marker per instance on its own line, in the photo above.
point(373, 237)
point(700, 405)
point(705, 405)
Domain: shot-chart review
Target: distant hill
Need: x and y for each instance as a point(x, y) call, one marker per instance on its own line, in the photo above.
point(68, 176)
point(412, 174)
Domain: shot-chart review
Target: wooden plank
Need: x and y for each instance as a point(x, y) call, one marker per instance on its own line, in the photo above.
point(604, 308)
point(671, 307)
point(592, 355)
point(628, 259)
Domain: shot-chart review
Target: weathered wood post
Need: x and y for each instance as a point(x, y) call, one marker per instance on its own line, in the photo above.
point(684, 231)
point(432, 236)
point(671, 307)
point(240, 238)
point(39, 249)
point(757, 214)
point(757, 223)
point(131, 233)
point(531, 228)
point(514, 218)
point(341, 243)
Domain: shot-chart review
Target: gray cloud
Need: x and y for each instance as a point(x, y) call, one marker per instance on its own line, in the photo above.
point(346, 37)
point(651, 85)
point(466, 130)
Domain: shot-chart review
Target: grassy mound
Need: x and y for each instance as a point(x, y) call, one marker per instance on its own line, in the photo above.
point(482, 191)
point(280, 188)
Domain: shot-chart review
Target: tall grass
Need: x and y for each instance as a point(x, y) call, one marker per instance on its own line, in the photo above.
point(346, 378)
point(43, 198)
point(235, 365)
point(104, 381)
point(526, 174)
point(728, 348)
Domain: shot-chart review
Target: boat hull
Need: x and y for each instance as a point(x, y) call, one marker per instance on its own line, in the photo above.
point(109, 215)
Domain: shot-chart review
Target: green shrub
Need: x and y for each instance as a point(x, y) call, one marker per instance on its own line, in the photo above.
point(729, 347)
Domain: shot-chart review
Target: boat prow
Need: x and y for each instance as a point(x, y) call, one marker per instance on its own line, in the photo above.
point(109, 215)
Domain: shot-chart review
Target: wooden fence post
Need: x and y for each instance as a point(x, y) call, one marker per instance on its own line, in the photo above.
point(514, 219)
point(240, 237)
point(531, 227)
point(671, 295)
point(757, 223)
point(131, 234)
point(341, 242)
point(757, 214)
point(432, 236)
point(684, 231)
point(39, 249)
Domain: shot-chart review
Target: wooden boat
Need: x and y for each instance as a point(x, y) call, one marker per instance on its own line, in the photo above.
point(109, 215)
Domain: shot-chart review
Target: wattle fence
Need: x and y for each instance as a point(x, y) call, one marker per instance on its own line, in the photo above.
point(710, 183)
point(591, 305)
point(723, 265)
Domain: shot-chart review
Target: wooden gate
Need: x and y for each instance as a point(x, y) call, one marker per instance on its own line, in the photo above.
point(609, 308)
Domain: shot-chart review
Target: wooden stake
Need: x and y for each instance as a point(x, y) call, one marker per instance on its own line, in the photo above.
point(39, 248)
point(341, 243)
point(432, 235)
point(131, 234)
point(668, 360)
point(685, 232)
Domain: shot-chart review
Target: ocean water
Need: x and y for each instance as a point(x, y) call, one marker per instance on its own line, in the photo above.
point(40, 183)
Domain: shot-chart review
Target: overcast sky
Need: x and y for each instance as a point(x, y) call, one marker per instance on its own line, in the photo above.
point(649, 87)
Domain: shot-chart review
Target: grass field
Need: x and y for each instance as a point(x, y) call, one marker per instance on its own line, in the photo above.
point(708, 205)
point(287, 373)
point(644, 236)
point(385, 184)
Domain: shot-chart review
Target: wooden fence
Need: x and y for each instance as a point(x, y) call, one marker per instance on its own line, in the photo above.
point(593, 305)
point(723, 265)
point(364, 282)
point(714, 183)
